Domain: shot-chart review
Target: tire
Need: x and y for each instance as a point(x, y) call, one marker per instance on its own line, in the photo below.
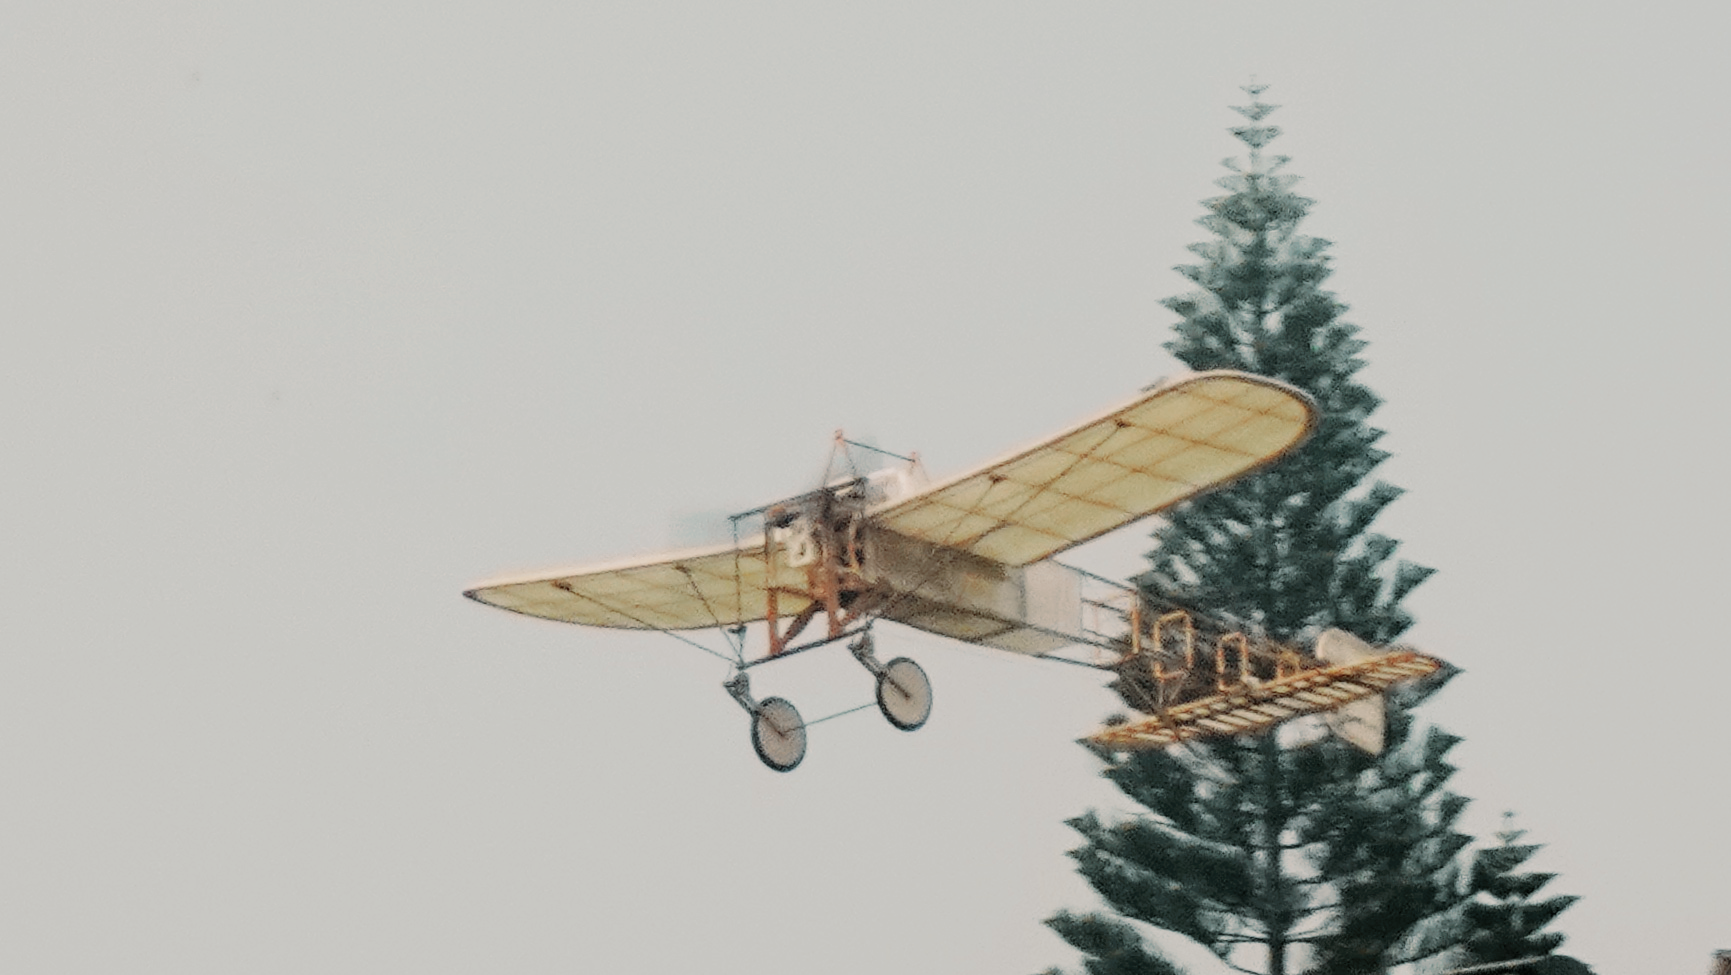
point(778, 734)
point(904, 694)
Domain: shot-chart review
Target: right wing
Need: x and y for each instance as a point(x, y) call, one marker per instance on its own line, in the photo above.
point(687, 590)
point(1167, 445)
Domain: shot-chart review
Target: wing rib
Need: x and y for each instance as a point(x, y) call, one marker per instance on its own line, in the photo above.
point(1164, 447)
point(562, 584)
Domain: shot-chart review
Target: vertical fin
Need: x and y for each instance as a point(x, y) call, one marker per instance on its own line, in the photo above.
point(1361, 723)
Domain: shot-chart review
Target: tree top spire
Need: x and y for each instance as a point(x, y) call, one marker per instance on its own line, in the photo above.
point(1253, 135)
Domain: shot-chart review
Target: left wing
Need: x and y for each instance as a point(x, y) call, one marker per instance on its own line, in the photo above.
point(1169, 444)
point(687, 590)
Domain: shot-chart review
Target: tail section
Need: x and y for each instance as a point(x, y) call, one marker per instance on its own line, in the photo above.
point(1363, 722)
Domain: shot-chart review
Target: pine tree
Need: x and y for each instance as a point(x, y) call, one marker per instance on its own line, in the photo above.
point(1507, 923)
point(1287, 859)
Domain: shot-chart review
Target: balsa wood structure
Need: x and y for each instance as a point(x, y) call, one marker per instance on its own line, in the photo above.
point(1249, 707)
point(970, 557)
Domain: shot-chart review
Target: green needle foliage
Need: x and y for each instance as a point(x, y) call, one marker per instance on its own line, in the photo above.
point(1507, 922)
point(1278, 858)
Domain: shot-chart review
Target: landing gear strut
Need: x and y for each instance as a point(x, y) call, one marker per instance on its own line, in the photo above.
point(778, 732)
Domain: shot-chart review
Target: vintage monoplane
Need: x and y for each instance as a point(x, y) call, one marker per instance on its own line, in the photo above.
point(971, 558)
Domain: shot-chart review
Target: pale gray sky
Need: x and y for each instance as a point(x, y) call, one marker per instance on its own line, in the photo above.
point(317, 312)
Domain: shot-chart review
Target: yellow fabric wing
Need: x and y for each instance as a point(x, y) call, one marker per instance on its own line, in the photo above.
point(688, 590)
point(1174, 442)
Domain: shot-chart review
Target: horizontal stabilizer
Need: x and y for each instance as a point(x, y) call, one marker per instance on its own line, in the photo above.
point(1249, 708)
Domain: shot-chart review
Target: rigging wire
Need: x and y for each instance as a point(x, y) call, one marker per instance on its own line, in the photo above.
point(836, 446)
point(736, 635)
point(705, 599)
point(562, 584)
point(838, 714)
point(1054, 658)
point(880, 450)
point(698, 591)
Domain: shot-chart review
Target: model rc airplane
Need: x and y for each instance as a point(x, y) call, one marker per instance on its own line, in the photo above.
point(972, 558)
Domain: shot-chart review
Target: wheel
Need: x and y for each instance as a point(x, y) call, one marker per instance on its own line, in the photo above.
point(778, 734)
point(904, 694)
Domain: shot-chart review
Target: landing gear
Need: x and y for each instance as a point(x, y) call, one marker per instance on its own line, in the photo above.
point(777, 730)
point(904, 693)
point(778, 734)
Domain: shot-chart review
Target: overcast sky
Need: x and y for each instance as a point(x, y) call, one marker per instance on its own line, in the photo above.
point(317, 312)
